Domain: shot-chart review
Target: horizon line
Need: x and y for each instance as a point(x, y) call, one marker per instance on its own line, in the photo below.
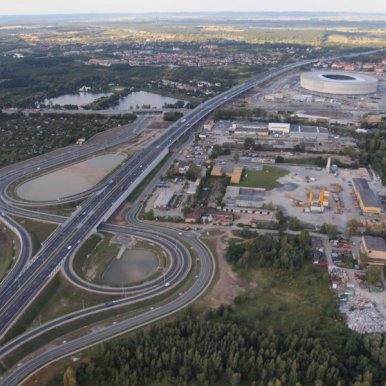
point(195, 13)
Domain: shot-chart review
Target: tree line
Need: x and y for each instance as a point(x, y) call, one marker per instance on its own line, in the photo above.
point(193, 351)
point(372, 151)
point(283, 251)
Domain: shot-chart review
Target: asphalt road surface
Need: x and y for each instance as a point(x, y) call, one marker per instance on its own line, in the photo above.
point(17, 295)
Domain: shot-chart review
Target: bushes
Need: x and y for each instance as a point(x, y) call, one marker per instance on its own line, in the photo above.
point(172, 116)
point(287, 252)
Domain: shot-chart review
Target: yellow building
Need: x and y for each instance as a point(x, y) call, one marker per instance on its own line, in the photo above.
point(283, 128)
point(368, 200)
point(375, 248)
point(236, 175)
point(217, 171)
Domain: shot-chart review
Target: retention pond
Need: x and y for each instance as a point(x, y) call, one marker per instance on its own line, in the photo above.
point(71, 180)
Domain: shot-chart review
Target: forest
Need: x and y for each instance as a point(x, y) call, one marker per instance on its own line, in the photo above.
point(31, 80)
point(286, 251)
point(28, 136)
point(287, 331)
point(214, 350)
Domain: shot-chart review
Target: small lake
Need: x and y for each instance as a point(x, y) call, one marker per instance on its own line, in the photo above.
point(80, 99)
point(133, 266)
point(70, 180)
point(143, 98)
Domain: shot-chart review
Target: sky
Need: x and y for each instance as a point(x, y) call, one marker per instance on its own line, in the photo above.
point(26, 7)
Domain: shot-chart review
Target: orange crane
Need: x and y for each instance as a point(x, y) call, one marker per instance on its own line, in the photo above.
point(310, 197)
point(321, 197)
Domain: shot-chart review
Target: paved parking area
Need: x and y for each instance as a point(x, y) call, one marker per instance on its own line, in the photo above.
point(294, 188)
point(176, 204)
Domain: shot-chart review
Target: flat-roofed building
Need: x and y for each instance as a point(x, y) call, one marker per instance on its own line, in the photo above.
point(249, 129)
point(283, 128)
point(368, 200)
point(236, 175)
point(217, 171)
point(375, 248)
point(309, 132)
point(194, 216)
point(250, 132)
point(163, 199)
point(240, 197)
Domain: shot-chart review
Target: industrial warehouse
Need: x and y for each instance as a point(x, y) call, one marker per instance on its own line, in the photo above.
point(278, 130)
point(368, 200)
point(375, 248)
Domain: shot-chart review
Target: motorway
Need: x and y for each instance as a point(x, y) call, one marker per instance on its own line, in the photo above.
point(180, 257)
point(24, 252)
point(15, 296)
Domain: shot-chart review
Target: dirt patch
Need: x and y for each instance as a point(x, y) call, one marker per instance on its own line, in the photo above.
point(228, 285)
point(45, 375)
point(159, 123)
point(119, 216)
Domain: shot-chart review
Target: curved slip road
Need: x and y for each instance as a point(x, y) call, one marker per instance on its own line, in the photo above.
point(128, 176)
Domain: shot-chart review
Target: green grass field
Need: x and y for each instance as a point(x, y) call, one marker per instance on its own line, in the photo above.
point(286, 300)
point(38, 231)
point(265, 178)
point(57, 299)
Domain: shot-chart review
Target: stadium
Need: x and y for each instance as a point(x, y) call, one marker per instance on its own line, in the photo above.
point(342, 83)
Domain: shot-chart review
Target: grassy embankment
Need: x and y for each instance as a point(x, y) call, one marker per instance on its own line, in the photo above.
point(38, 231)
point(9, 249)
point(47, 307)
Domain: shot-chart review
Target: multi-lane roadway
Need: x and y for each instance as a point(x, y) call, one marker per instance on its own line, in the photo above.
point(17, 295)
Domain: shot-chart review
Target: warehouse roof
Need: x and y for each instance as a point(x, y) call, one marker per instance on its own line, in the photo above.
point(236, 175)
point(368, 197)
point(296, 128)
point(375, 243)
point(163, 199)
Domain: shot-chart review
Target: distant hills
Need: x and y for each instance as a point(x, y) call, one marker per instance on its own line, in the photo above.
point(32, 19)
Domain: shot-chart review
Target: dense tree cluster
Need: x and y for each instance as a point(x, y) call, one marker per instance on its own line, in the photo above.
point(218, 150)
point(375, 344)
point(172, 116)
point(286, 252)
point(177, 105)
point(190, 351)
point(372, 151)
point(27, 136)
point(234, 113)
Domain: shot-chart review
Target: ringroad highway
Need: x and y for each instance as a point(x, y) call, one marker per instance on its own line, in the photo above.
point(95, 210)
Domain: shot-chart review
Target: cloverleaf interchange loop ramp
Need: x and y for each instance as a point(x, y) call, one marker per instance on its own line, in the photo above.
point(16, 295)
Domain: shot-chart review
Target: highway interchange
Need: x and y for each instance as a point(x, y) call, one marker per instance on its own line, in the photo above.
point(26, 281)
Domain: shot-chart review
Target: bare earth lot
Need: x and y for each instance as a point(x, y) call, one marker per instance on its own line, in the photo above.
point(228, 285)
